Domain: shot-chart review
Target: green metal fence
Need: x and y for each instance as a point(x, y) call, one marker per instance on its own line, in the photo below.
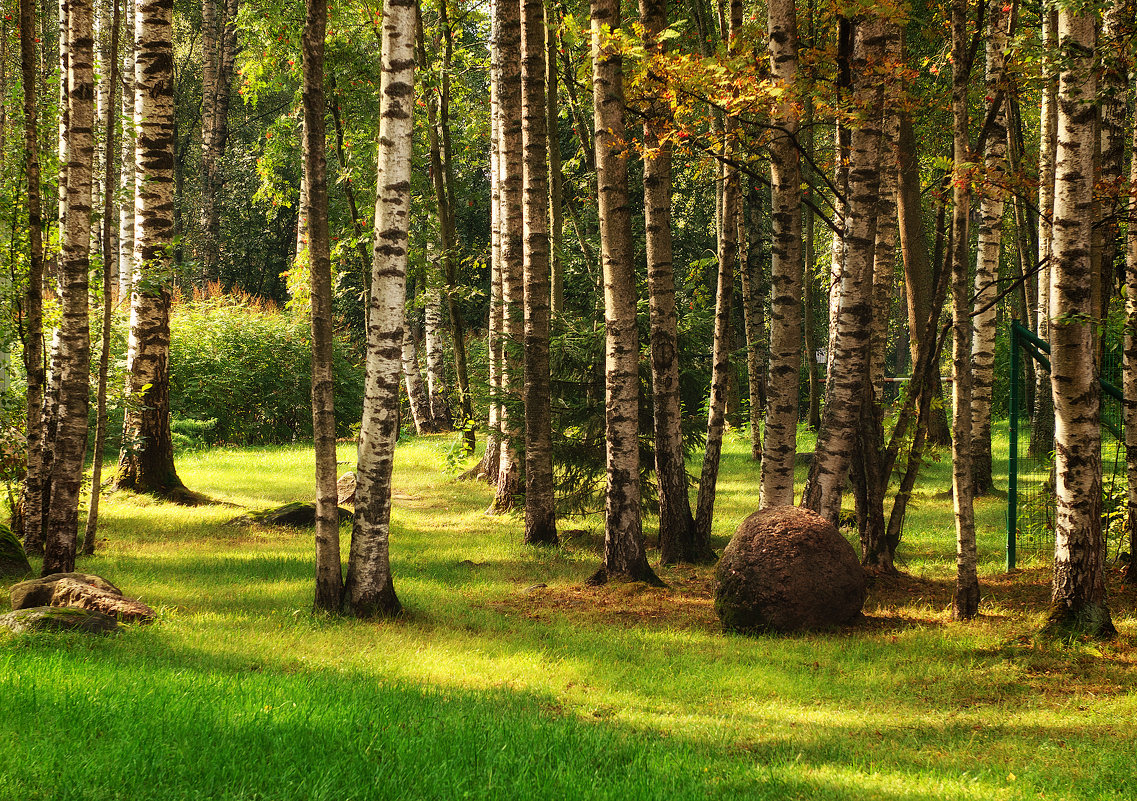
point(1030, 481)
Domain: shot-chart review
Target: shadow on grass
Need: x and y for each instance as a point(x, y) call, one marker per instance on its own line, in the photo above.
point(132, 717)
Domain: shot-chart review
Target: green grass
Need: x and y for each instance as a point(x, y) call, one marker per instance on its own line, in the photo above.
point(484, 690)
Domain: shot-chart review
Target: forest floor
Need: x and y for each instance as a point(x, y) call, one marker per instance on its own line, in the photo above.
point(491, 687)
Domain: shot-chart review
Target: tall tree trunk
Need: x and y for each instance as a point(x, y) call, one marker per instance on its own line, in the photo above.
point(107, 114)
point(435, 345)
point(965, 603)
point(1078, 599)
point(1130, 377)
point(369, 590)
point(416, 392)
point(1114, 47)
point(540, 518)
point(512, 266)
point(126, 207)
point(1042, 423)
point(777, 482)
point(919, 265)
point(676, 523)
point(991, 205)
point(147, 460)
point(329, 578)
point(110, 279)
point(218, 44)
point(207, 245)
point(754, 292)
point(809, 266)
point(624, 553)
point(872, 461)
point(849, 355)
point(33, 532)
point(556, 176)
point(487, 469)
point(75, 345)
point(721, 348)
point(442, 170)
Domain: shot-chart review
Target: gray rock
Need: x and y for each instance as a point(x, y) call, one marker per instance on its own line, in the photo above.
point(13, 561)
point(291, 515)
point(788, 569)
point(345, 489)
point(51, 618)
point(39, 592)
point(73, 594)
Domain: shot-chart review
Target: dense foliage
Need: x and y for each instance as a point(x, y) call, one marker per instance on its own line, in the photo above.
point(247, 366)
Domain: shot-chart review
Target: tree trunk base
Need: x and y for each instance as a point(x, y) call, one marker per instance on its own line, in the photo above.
point(505, 500)
point(1092, 620)
point(381, 604)
point(645, 574)
point(178, 494)
point(543, 535)
point(965, 602)
point(880, 566)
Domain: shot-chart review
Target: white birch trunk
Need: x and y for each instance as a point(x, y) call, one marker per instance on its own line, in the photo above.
point(1078, 588)
point(991, 205)
point(782, 389)
point(369, 590)
point(849, 357)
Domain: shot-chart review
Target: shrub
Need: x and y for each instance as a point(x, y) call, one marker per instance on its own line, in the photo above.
point(246, 366)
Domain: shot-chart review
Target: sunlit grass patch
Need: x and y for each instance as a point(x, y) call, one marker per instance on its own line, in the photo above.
point(493, 687)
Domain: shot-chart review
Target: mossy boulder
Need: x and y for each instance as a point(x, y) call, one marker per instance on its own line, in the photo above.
point(73, 594)
point(13, 561)
point(297, 514)
point(53, 618)
point(40, 591)
point(788, 569)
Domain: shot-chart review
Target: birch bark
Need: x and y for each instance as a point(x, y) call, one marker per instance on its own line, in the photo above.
point(1078, 599)
point(369, 589)
point(780, 446)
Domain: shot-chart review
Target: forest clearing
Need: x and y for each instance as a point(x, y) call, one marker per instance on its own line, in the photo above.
point(740, 399)
point(485, 688)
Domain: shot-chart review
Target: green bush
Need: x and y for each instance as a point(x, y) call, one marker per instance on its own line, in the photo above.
point(247, 368)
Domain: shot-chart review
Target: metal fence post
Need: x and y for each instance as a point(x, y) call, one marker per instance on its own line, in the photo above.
point(1013, 456)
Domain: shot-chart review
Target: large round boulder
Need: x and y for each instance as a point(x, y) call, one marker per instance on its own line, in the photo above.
point(788, 569)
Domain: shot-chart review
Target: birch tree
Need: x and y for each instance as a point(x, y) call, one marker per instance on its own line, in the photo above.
point(1078, 598)
point(724, 297)
point(624, 553)
point(218, 44)
point(508, 46)
point(146, 463)
point(329, 580)
point(540, 519)
point(126, 176)
point(1042, 423)
point(70, 438)
point(965, 602)
point(108, 229)
point(990, 238)
point(369, 589)
point(780, 446)
point(849, 359)
point(1129, 408)
point(33, 295)
point(676, 523)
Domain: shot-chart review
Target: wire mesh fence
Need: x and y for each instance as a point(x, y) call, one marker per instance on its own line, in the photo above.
point(1031, 480)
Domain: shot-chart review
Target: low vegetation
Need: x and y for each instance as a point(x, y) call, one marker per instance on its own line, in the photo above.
point(507, 678)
